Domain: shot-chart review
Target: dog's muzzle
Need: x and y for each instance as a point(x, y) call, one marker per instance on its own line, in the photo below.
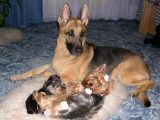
point(78, 50)
point(75, 50)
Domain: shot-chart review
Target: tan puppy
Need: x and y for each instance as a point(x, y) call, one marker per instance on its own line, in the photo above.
point(97, 82)
point(74, 57)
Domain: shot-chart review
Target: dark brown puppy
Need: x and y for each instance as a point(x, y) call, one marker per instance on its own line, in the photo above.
point(74, 58)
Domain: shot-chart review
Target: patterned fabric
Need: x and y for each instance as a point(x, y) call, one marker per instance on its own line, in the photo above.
point(99, 9)
point(158, 15)
point(140, 10)
point(39, 42)
point(156, 2)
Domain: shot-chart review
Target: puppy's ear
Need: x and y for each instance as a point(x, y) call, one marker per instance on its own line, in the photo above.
point(101, 68)
point(35, 94)
point(38, 96)
point(112, 84)
point(84, 15)
point(65, 15)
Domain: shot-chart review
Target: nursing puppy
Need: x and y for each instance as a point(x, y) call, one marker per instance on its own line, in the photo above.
point(81, 106)
point(74, 58)
point(78, 105)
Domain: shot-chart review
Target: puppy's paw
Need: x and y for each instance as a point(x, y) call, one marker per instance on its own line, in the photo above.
point(47, 112)
point(81, 88)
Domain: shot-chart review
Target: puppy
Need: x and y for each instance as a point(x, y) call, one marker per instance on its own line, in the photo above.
point(81, 106)
point(97, 82)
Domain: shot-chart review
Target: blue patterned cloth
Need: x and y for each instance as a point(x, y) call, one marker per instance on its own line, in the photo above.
point(37, 48)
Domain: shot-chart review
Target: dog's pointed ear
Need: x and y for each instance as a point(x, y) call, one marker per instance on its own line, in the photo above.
point(65, 15)
point(84, 14)
point(101, 68)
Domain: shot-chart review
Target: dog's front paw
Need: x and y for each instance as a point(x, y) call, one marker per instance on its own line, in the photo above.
point(18, 77)
point(15, 77)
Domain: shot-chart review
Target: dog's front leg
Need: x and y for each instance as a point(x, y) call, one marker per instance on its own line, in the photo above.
point(48, 74)
point(30, 73)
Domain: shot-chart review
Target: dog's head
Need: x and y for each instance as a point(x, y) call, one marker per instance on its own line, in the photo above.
point(73, 30)
point(96, 82)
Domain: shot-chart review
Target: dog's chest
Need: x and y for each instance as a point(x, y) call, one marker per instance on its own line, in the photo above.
point(71, 67)
point(70, 71)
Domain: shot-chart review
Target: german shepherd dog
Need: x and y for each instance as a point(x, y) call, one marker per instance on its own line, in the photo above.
point(74, 57)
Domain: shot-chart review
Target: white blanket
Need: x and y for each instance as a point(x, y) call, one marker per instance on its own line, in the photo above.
point(12, 107)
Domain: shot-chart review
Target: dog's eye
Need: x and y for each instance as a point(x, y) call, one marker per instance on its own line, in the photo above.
point(71, 33)
point(99, 85)
point(82, 34)
point(90, 84)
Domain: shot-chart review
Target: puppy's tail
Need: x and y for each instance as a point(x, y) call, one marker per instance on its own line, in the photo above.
point(144, 98)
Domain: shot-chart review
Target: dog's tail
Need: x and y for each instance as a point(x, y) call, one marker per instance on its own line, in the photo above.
point(142, 96)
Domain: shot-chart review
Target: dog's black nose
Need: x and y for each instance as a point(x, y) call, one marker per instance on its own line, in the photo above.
point(79, 49)
point(90, 84)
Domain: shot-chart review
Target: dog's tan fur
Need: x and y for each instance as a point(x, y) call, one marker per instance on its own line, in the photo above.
point(132, 69)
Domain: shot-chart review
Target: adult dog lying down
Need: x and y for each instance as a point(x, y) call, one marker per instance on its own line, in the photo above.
point(74, 58)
